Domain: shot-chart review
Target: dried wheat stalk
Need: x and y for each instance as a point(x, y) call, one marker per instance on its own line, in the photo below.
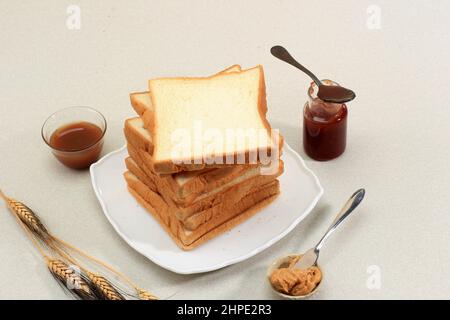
point(140, 293)
point(145, 295)
point(104, 288)
point(27, 216)
point(85, 285)
point(70, 279)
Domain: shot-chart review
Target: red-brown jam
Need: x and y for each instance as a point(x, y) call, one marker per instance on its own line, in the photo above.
point(324, 127)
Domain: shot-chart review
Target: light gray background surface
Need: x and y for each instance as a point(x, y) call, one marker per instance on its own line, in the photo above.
point(398, 139)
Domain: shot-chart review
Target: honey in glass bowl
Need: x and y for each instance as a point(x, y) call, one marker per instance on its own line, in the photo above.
point(75, 136)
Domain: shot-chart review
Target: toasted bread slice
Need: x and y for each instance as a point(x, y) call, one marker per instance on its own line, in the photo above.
point(190, 108)
point(187, 239)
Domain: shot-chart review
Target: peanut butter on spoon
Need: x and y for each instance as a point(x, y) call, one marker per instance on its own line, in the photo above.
point(298, 276)
point(295, 281)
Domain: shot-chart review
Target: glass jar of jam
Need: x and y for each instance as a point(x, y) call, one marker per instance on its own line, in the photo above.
point(324, 126)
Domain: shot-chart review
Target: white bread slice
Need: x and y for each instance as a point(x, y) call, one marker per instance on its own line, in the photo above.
point(136, 134)
point(187, 239)
point(184, 187)
point(141, 102)
point(209, 204)
point(217, 104)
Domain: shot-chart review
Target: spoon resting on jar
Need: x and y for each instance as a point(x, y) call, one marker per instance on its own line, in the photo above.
point(334, 94)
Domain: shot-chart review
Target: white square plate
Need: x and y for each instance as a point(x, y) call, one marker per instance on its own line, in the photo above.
point(300, 191)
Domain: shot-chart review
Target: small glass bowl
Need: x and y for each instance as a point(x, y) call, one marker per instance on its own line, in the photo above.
point(75, 159)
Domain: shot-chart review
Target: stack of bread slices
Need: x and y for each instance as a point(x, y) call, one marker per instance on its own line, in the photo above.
point(197, 192)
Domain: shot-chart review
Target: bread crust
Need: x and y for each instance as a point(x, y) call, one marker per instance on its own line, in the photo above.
point(136, 103)
point(201, 211)
point(136, 138)
point(204, 180)
point(188, 240)
point(192, 191)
